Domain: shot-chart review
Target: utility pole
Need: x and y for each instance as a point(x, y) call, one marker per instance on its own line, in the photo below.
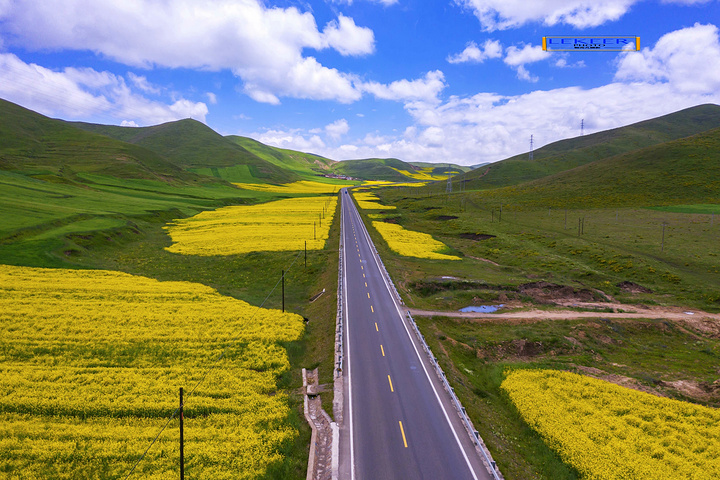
point(305, 253)
point(582, 127)
point(662, 243)
point(283, 291)
point(182, 453)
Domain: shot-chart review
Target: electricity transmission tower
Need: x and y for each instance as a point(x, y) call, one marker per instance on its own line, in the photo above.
point(531, 147)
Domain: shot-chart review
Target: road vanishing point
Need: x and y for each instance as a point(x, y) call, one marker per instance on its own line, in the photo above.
point(399, 420)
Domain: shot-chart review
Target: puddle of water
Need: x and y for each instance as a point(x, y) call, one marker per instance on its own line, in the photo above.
point(482, 309)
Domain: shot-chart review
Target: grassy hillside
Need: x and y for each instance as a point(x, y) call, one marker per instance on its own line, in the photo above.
point(442, 168)
point(192, 145)
point(567, 154)
point(303, 164)
point(390, 169)
point(33, 144)
point(684, 171)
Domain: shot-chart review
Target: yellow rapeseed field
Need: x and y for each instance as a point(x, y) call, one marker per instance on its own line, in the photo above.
point(92, 362)
point(303, 186)
point(283, 225)
point(410, 243)
point(610, 432)
point(425, 173)
point(369, 201)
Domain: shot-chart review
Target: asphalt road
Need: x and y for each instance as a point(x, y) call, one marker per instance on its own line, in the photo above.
point(399, 420)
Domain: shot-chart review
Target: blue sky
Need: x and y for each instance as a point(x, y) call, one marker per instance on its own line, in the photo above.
point(461, 81)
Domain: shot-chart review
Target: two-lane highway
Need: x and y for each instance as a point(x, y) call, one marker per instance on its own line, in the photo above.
point(399, 422)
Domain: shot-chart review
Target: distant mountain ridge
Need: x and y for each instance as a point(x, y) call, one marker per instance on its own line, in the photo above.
point(191, 145)
point(573, 152)
point(37, 145)
point(682, 171)
point(189, 151)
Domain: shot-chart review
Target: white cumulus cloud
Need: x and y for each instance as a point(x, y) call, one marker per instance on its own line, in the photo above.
point(518, 57)
point(689, 59)
point(262, 45)
point(347, 38)
point(423, 89)
point(473, 53)
point(86, 93)
point(505, 14)
point(337, 129)
point(487, 127)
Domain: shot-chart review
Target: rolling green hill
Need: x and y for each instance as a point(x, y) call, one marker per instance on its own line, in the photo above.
point(375, 169)
point(36, 145)
point(567, 154)
point(442, 168)
point(306, 165)
point(683, 171)
point(193, 146)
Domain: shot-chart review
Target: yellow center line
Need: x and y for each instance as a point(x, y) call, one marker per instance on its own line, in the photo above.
point(382, 350)
point(376, 328)
point(368, 294)
point(391, 387)
point(402, 430)
point(365, 284)
point(363, 275)
point(361, 267)
point(372, 309)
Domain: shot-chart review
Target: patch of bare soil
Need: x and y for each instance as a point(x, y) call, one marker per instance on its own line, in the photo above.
point(704, 323)
point(700, 391)
point(621, 380)
point(475, 236)
point(632, 287)
point(518, 349)
point(545, 292)
point(484, 260)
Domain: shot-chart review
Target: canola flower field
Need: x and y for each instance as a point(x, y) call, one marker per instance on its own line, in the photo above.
point(282, 225)
point(410, 243)
point(426, 173)
point(610, 432)
point(370, 201)
point(303, 186)
point(90, 366)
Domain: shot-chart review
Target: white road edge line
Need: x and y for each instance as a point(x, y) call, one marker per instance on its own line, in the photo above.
point(347, 340)
point(397, 308)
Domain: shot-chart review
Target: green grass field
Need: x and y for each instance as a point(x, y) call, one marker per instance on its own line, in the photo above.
point(595, 249)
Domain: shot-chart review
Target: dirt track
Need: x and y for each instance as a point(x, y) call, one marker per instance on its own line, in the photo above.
point(708, 323)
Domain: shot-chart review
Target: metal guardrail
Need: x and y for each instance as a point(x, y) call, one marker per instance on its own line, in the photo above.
point(456, 402)
point(474, 435)
point(339, 334)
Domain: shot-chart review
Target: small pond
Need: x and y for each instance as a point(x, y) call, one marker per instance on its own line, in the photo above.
point(482, 309)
